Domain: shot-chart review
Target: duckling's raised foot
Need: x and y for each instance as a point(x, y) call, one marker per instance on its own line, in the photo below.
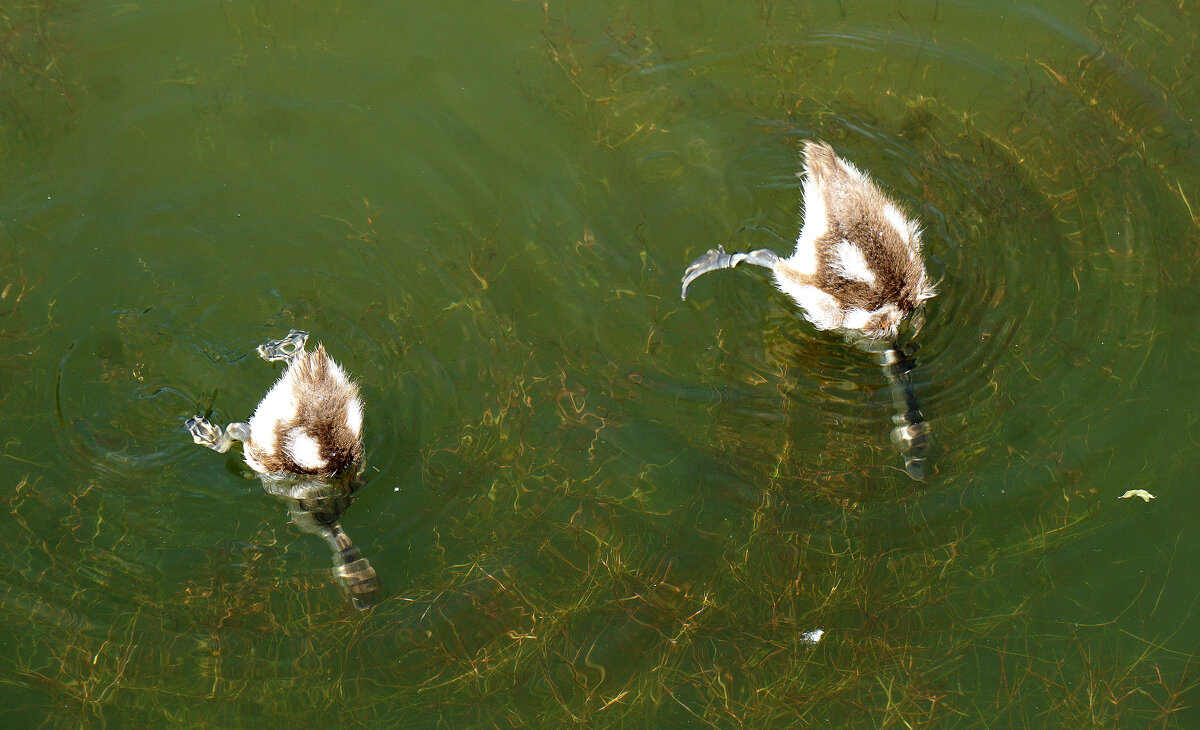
point(288, 349)
point(716, 258)
point(206, 434)
point(203, 432)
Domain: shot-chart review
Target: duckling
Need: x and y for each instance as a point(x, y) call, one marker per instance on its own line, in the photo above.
point(305, 442)
point(857, 268)
point(857, 264)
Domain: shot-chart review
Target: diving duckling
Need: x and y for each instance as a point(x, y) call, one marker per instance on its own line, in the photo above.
point(305, 442)
point(857, 266)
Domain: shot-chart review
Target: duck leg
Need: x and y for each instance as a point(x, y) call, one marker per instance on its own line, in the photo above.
point(716, 258)
point(206, 434)
point(287, 349)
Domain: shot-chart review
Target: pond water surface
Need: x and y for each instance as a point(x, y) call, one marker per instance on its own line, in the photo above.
point(589, 502)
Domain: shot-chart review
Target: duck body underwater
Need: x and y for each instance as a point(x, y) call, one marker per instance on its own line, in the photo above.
point(305, 443)
point(857, 268)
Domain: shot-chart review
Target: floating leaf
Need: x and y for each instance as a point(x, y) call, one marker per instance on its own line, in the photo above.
point(1137, 493)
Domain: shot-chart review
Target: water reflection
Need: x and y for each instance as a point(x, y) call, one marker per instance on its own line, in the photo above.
point(912, 436)
point(316, 507)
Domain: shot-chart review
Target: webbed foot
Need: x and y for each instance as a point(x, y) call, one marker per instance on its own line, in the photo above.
point(716, 258)
point(203, 432)
point(206, 434)
point(286, 349)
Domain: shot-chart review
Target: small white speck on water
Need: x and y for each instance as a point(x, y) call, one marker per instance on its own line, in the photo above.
point(1146, 496)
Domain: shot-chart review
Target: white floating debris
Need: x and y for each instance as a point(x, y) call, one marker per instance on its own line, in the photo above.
point(812, 637)
point(1146, 496)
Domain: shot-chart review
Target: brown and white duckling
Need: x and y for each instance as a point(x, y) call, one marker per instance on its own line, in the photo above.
point(857, 268)
point(857, 265)
point(305, 442)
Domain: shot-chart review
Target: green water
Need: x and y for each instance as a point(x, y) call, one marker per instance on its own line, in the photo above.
point(590, 502)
